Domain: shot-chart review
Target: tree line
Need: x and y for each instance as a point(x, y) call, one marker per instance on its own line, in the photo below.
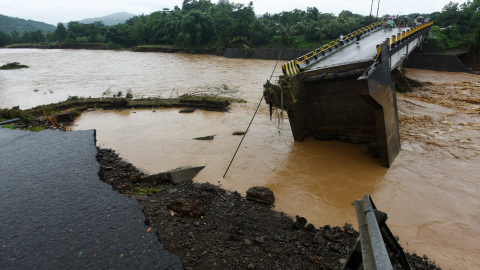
point(457, 26)
point(201, 24)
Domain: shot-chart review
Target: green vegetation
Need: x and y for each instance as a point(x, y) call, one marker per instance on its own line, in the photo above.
point(285, 91)
point(8, 126)
point(16, 26)
point(457, 26)
point(14, 65)
point(403, 84)
point(75, 105)
point(203, 25)
point(15, 112)
point(142, 191)
point(36, 129)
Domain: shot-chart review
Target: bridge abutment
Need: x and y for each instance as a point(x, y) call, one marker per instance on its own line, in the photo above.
point(349, 104)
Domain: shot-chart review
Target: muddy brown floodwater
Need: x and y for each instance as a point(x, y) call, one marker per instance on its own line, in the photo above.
point(431, 193)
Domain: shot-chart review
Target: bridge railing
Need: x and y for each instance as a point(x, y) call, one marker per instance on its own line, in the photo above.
point(293, 67)
point(397, 40)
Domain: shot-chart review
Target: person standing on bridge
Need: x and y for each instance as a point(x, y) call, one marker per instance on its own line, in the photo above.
point(340, 40)
point(357, 36)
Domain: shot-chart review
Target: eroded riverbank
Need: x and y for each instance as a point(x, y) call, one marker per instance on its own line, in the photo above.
point(430, 191)
point(430, 194)
point(224, 231)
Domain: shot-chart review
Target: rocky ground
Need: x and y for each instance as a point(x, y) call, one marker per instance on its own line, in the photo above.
point(212, 228)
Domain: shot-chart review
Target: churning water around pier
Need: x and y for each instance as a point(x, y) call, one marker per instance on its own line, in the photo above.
point(432, 192)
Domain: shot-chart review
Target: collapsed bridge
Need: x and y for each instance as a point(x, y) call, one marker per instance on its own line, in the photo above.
point(344, 92)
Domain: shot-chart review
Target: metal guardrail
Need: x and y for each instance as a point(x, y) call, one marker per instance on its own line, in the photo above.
point(396, 40)
point(10, 121)
point(376, 247)
point(293, 67)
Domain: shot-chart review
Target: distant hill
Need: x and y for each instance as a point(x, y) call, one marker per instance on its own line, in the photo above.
point(112, 19)
point(10, 24)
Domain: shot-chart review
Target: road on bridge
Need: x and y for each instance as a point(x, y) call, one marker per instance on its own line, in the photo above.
point(352, 53)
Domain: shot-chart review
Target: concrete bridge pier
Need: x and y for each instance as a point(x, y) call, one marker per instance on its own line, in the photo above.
point(355, 103)
point(381, 94)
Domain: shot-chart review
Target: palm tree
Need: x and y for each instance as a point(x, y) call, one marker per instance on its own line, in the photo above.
point(286, 31)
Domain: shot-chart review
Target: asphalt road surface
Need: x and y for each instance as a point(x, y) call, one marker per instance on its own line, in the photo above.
point(352, 53)
point(56, 213)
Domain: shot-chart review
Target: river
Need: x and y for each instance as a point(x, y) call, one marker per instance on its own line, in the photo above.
point(431, 193)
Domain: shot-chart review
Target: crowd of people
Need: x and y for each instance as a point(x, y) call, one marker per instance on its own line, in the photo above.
point(392, 22)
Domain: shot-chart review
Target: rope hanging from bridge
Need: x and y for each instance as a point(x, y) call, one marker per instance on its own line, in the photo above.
point(245, 133)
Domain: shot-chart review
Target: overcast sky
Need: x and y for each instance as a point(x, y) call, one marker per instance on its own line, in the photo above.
point(54, 11)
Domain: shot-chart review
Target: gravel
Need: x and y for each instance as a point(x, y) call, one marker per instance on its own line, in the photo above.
point(212, 228)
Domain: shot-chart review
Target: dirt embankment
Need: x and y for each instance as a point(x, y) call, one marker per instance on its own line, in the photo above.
point(85, 46)
point(57, 114)
point(219, 229)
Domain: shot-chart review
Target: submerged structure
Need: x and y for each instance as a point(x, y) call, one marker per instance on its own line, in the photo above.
point(348, 101)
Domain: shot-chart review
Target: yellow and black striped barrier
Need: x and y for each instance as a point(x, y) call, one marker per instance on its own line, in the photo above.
point(293, 67)
point(290, 68)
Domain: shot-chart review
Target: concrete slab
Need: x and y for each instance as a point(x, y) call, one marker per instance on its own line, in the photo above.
point(183, 174)
point(58, 214)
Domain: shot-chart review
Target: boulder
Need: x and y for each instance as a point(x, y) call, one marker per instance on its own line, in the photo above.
point(300, 223)
point(186, 208)
point(260, 194)
point(187, 110)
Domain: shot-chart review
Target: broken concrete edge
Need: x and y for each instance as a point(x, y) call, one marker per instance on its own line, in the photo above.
point(175, 176)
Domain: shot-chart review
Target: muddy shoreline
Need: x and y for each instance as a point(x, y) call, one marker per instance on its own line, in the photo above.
point(231, 232)
point(61, 115)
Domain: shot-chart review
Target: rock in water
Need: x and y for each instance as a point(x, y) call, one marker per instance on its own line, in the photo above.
point(260, 194)
point(187, 110)
point(300, 223)
point(206, 138)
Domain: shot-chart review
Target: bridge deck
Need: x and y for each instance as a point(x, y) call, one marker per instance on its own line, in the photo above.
point(352, 53)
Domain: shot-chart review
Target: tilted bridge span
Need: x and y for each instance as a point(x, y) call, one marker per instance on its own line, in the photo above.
point(344, 92)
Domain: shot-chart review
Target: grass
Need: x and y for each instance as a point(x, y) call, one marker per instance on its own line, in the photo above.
point(8, 126)
point(18, 45)
point(75, 105)
point(36, 129)
point(15, 112)
point(142, 191)
point(13, 65)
